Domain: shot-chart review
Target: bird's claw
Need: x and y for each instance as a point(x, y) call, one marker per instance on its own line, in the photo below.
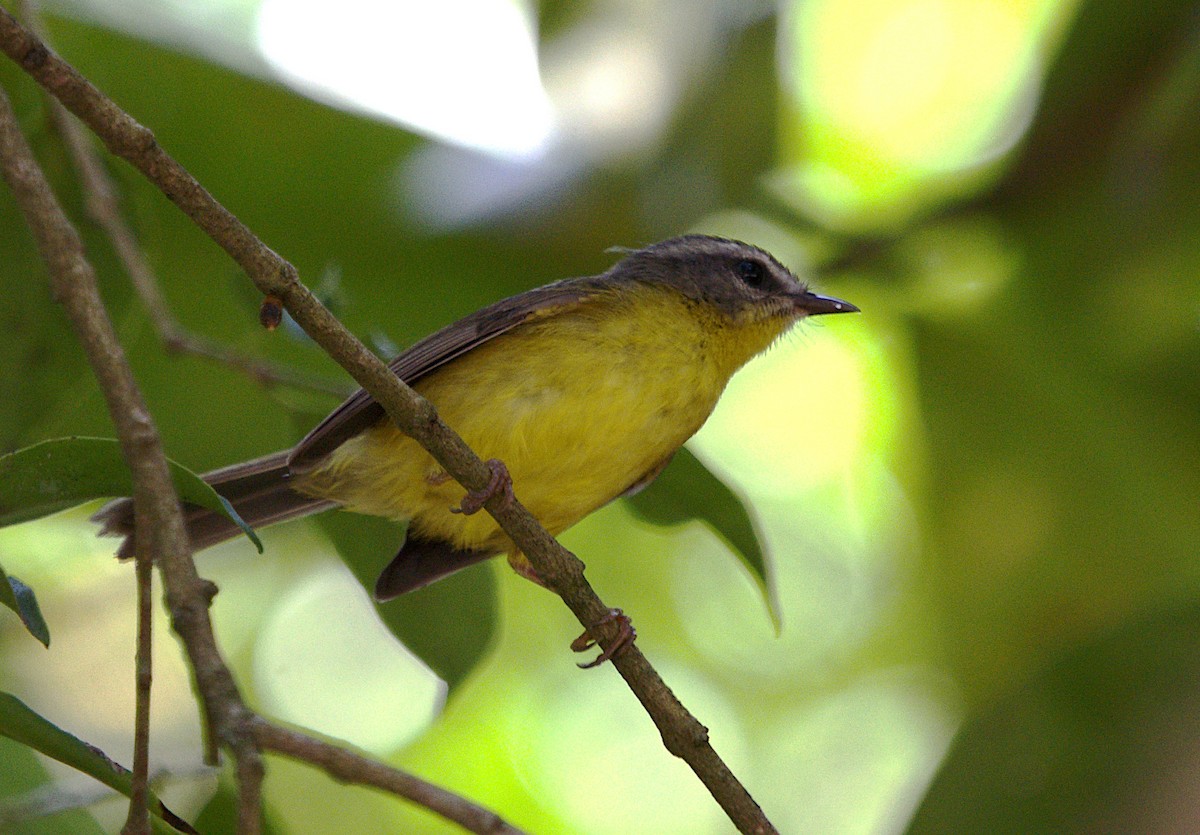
point(499, 484)
point(625, 637)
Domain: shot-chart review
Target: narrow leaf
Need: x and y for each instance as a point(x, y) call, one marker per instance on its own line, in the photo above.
point(19, 597)
point(53, 475)
point(687, 490)
point(19, 723)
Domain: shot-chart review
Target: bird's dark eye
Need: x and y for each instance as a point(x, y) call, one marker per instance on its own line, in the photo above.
point(751, 272)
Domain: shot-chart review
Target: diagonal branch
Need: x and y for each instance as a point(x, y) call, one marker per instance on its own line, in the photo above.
point(682, 734)
point(351, 768)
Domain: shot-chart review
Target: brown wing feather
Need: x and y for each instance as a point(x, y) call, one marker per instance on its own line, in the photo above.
point(360, 411)
point(421, 562)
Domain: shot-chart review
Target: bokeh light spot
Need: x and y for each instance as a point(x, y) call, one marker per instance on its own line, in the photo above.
point(586, 749)
point(324, 661)
point(905, 99)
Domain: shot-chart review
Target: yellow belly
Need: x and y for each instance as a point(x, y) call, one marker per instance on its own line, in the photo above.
point(579, 407)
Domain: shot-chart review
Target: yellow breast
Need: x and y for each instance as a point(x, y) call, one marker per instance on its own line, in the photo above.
point(579, 406)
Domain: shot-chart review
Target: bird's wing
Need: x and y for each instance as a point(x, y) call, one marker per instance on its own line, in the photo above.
point(361, 411)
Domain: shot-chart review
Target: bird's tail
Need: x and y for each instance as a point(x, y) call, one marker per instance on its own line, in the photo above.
point(259, 491)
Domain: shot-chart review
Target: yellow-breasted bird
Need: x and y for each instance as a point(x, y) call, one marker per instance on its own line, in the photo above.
point(584, 388)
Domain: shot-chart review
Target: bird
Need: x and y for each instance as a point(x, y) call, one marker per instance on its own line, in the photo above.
point(578, 392)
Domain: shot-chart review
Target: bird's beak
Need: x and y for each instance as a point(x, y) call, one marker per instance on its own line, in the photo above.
point(815, 305)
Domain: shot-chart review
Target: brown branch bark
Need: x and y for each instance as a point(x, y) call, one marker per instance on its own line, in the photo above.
point(351, 768)
point(138, 820)
point(682, 734)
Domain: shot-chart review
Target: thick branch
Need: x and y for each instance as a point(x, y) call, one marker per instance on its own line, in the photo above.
point(682, 734)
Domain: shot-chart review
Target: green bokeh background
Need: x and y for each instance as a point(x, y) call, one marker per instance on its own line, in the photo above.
point(981, 497)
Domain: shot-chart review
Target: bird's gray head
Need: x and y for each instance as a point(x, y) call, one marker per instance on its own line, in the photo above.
point(737, 278)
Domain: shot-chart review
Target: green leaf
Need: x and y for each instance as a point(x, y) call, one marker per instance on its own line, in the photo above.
point(53, 475)
point(25, 784)
point(20, 724)
point(686, 491)
point(20, 598)
point(449, 625)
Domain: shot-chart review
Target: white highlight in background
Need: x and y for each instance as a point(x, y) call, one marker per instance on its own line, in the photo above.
point(464, 71)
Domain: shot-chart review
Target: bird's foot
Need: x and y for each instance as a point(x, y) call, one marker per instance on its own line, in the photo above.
point(499, 484)
point(624, 638)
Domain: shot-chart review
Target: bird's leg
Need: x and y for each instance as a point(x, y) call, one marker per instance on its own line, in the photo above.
point(586, 641)
point(499, 484)
point(624, 638)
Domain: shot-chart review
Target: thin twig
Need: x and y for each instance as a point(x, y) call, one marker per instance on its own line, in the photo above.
point(73, 284)
point(103, 207)
point(682, 734)
point(138, 821)
point(249, 780)
point(351, 768)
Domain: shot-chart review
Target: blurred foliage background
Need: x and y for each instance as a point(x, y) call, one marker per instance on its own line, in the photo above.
point(980, 497)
